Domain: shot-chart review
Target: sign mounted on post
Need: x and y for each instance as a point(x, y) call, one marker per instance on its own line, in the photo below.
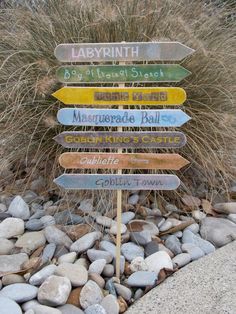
point(127, 51)
point(121, 73)
point(116, 117)
point(122, 161)
point(118, 182)
point(121, 96)
point(103, 139)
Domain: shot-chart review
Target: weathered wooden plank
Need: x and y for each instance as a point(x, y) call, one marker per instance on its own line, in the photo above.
point(121, 161)
point(122, 73)
point(73, 139)
point(118, 182)
point(129, 51)
point(121, 96)
point(116, 117)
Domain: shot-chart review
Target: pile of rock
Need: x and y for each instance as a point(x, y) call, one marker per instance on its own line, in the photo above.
point(64, 262)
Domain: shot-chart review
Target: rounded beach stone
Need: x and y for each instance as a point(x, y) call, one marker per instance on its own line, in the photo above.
point(6, 246)
point(131, 250)
point(142, 279)
point(133, 199)
point(54, 291)
point(110, 304)
point(39, 277)
point(126, 217)
point(123, 291)
point(97, 266)
point(98, 279)
point(94, 255)
point(85, 242)
point(43, 309)
point(19, 292)
point(108, 270)
point(12, 263)
point(19, 208)
point(194, 251)
point(29, 305)
point(34, 225)
point(158, 261)
point(90, 294)
point(181, 260)
point(104, 221)
point(113, 229)
point(30, 241)
point(95, 309)
point(8, 306)
point(67, 258)
point(151, 248)
point(69, 309)
point(138, 264)
point(77, 274)
point(11, 279)
point(205, 246)
point(109, 247)
point(11, 227)
point(54, 235)
point(173, 244)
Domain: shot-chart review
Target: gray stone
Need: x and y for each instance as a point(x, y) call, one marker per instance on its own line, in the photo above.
point(12, 263)
point(178, 234)
point(95, 309)
point(67, 218)
point(30, 241)
point(205, 246)
point(19, 292)
point(133, 199)
point(194, 251)
point(198, 215)
point(38, 214)
point(29, 305)
point(141, 238)
point(138, 264)
point(144, 225)
point(97, 266)
point(11, 279)
point(34, 225)
point(4, 216)
point(90, 294)
point(93, 255)
point(151, 248)
point(48, 252)
point(113, 229)
point(232, 217)
point(142, 279)
point(54, 235)
point(111, 287)
point(6, 246)
point(19, 208)
point(48, 220)
point(98, 279)
point(194, 228)
point(158, 261)
point(109, 247)
point(126, 217)
point(67, 258)
point(60, 251)
point(54, 291)
point(86, 242)
point(42, 309)
point(123, 291)
point(219, 231)
point(38, 278)
point(165, 226)
point(70, 309)
point(173, 244)
point(9, 306)
point(131, 250)
point(104, 221)
point(225, 208)
point(77, 274)
point(86, 205)
point(181, 260)
point(138, 294)
point(108, 270)
point(110, 304)
point(11, 227)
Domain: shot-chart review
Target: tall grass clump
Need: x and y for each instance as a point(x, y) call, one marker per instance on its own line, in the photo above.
point(29, 35)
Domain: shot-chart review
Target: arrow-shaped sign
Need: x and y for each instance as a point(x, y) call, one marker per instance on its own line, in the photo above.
point(121, 96)
point(122, 73)
point(122, 161)
point(118, 182)
point(73, 139)
point(116, 117)
point(129, 51)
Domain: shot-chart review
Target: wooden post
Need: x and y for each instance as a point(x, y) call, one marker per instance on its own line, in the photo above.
point(119, 204)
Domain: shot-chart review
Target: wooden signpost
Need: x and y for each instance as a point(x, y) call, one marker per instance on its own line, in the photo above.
point(121, 73)
point(122, 161)
point(129, 51)
point(121, 96)
point(118, 182)
point(121, 117)
point(103, 139)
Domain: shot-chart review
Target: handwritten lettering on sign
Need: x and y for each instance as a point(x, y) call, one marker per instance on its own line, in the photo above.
point(121, 96)
point(122, 73)
point(132, 51)
point(121, 161)
point(102, 139)
point(116, 117)
point(118, 182)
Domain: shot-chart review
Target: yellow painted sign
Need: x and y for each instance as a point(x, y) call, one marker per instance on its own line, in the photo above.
point(121, 96)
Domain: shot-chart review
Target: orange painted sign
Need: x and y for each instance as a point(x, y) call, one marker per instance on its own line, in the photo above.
point(121, 161)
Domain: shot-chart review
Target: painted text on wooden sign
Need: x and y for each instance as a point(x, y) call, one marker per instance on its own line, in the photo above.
point(129, 51)
point(121, 161)
point(116, 117)
point(122, 73)
point(118, 182)
point(121, 96)
point(101, 139)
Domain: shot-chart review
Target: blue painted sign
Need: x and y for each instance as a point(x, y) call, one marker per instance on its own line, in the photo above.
point(118, 182)
point(116, 117)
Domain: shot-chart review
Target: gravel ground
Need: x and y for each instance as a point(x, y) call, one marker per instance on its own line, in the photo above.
point(207, 285)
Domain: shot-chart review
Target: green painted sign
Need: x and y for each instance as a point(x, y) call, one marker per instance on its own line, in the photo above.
point(122, 73)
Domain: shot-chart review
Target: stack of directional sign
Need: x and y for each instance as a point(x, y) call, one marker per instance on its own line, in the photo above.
point(121, 96)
